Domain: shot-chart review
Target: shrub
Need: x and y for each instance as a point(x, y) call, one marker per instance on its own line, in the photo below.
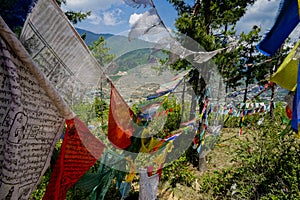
point(268, 165)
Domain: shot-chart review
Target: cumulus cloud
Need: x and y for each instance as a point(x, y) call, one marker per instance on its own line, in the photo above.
point(133, 18)
point(108, 18)
point(112, 18)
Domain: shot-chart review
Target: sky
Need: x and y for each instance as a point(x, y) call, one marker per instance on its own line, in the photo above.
point(115, 17)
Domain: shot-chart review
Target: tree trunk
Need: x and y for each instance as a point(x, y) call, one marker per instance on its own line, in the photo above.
point(248, 75)
point(202, 156)
point(207, 14)
point(244, 102)
point(274, 87)
point(273, 96)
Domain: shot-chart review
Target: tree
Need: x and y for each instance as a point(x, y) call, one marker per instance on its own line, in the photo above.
point(208, 17)
point(74, 17)
point(208, 23)
point(244, 63)
point(101, 52)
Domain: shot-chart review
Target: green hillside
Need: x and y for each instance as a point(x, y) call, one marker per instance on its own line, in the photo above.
point(129, 54)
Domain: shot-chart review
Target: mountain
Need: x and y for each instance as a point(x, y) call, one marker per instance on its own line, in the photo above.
point(118, 44)
point(129, 54)
point(92, 37)
point(135, 70)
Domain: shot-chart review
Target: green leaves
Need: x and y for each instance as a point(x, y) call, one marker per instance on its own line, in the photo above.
point(76, 17)
point(178, 172)
point(268, 165)
point(101, 52)
point(101, 108)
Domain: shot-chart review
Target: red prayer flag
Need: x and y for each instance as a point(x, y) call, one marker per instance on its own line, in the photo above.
point(80, 150)
point(289, 112)
point(120, 124)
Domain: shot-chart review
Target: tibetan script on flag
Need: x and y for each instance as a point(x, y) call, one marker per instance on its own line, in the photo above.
point(30, 126)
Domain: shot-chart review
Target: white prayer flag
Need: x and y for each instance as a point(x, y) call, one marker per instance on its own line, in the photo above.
point(60, 52)
point(148, 22)
point(138, 3)
point(31, 124)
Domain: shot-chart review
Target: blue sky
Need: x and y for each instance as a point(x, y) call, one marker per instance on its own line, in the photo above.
point(114, 16)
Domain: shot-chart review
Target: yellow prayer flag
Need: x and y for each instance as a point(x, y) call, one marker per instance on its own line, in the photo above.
point(299, 8)
point(286, 75)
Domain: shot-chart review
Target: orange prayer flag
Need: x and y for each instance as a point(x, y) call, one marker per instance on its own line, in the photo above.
point(120, 124)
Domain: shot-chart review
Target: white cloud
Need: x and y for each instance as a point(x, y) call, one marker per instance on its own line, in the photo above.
point(91, 5)
point(104, 12)
point(262, 13)
point(108, 18)
point(133, 18)
point(112, 18)
point(95, 19)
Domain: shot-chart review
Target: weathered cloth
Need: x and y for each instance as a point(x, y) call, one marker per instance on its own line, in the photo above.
point(148, 185)
point(31, 123)
point(80, 150)
point(61, 54)
point(120, 123)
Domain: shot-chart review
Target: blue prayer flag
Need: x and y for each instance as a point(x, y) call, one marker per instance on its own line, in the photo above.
point(285, 23)
point(296, 104)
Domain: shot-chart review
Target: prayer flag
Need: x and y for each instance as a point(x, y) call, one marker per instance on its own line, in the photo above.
point(138, 3)
point(157, 95)
point(148, 111)
point(168, 87)
point(125, 189)
point(57, 64)
point(80, 150)
point(286, 75)
point(296, 105)
point(148, 185)
point(286, 21)
point(149, 21)
point(60, 53)
point(31, 116)
point(120, 120)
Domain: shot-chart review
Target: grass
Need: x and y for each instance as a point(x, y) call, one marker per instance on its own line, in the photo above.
point(219, 158)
